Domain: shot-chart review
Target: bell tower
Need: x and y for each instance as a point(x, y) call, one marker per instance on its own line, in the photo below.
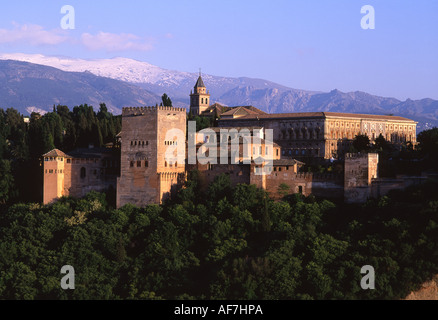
point(200, 98)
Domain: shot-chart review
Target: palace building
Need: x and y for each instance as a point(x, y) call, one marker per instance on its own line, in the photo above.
point(325, 135)
point(140, 173)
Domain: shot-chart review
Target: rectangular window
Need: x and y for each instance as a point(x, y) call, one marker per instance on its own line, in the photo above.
point(138, 164)
point(68, 160)
point(131, 164)
point(146, 163)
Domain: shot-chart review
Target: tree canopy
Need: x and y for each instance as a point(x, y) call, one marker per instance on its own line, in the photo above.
point(222, 242)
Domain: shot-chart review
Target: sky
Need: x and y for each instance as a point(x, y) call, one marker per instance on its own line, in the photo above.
point(315, 45)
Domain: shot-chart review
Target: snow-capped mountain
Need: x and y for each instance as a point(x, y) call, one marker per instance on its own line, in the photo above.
point(124, 69)
point(176, 84)
point(141, 83)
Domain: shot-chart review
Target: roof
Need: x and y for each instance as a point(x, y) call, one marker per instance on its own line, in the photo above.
point(56, 153)
point(215, 109)
point(199, 83)
point(218, 129)
point(243, 111)
point(90, 153)
point(321, 115)
point(286, 162)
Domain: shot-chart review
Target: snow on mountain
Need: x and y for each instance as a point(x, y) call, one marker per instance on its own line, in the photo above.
point(124, 69)
point(269, 96)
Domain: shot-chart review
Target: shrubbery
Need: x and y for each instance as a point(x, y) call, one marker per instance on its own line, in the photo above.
point(220, 243)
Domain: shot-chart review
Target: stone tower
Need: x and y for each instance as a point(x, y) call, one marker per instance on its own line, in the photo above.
point(147, 175)
point(359, 171)
point(54, 174)
point(200, 98)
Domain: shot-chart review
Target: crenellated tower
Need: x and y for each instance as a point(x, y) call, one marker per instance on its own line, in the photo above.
point(147, 174)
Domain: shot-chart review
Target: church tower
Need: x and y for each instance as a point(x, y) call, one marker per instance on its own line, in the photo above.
point(200, 98)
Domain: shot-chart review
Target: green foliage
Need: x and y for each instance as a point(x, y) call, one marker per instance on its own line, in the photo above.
point(22, 144)
point(361, 143)
point(238, 244)
point(166, 101)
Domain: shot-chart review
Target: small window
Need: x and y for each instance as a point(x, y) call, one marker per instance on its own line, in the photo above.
point(68, 160)
point(131, 164)
point(146, 163)
point(165, 164)
point(83, 173)
point(138, 164)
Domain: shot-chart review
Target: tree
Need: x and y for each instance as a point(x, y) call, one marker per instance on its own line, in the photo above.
point(166, 102)
point(6, 181)
point(361, 142)
point(283, 189)
point(381, 143)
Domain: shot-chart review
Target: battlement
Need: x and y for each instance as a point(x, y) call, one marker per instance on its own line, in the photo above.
point(359, 155)
point(318, 176)
point(137, 111)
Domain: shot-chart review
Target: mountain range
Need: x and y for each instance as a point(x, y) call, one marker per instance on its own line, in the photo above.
point(36, 82)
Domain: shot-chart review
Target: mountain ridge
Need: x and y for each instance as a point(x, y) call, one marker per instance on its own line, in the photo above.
point(266, 95)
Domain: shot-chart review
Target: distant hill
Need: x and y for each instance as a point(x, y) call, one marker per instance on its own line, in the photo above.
point(26, 87)
point(140, 83)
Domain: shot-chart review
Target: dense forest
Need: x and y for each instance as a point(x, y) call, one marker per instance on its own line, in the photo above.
point(23, 143)
point(222, 242)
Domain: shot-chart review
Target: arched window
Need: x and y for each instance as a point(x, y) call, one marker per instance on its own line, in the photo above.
point(83, 173)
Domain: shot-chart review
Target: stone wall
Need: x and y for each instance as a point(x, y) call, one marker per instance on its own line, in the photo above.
point(144, 145)
point(359, 171)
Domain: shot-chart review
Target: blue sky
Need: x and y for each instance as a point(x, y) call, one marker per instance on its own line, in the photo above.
point(304, 44)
